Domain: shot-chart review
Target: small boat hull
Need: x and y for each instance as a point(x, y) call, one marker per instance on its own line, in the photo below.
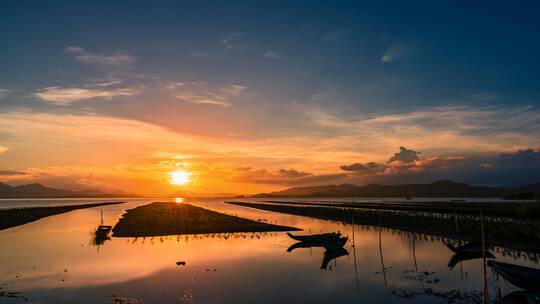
point(329, 255)
point(103, 231)
point(523, 277)
point(336, 244)
point(469, 248)
point(323, 237)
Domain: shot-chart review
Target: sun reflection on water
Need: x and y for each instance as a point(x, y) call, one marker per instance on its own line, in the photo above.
point(179, 200)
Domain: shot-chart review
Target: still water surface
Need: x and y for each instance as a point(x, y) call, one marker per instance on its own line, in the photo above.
point(53, 260)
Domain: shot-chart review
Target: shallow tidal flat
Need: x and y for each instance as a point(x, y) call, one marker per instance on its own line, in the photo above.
point(509, 232)
point(19, 216)
point(168, 218)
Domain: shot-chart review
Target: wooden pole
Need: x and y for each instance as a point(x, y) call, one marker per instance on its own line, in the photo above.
point(485, 291)
point(380, 252)
point(354, 254)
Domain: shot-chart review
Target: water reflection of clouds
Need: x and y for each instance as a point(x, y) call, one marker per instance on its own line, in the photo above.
point(138, 265)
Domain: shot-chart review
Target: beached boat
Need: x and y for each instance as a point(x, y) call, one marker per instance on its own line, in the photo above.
point(304, 245)
point(335, 244)
point(523, 277)
point(461, 257)
point(103, 231)
point(471, 247)
point(330, 255)
point(322, 237)
point(520, 296)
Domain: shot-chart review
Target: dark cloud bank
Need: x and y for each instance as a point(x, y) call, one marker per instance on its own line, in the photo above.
point(409, 166)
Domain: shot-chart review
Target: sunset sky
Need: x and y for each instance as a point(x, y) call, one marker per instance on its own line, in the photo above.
point(246, 97)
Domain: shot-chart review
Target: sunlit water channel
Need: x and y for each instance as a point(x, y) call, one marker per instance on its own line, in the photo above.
point(53, 260)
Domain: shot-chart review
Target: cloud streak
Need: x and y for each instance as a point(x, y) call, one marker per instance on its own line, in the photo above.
point(116, 60)
point(290, 177)
point(4, 92)
point(199, 92)
point(63, 96)
point(399, 50)
point(272, 55)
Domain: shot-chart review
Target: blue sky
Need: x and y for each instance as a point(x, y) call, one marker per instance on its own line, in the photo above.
point(343, 75)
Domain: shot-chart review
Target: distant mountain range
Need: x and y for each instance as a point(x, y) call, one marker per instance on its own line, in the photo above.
point(40, 191)
point(443, 188)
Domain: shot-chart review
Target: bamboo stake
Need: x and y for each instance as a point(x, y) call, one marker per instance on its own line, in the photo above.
point(485, 291)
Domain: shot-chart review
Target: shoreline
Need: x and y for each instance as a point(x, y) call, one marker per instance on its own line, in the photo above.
point(13, 217)
point(169, 218)
point(518, 235)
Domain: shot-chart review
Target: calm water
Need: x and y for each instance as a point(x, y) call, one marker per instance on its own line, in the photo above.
point(53, 261)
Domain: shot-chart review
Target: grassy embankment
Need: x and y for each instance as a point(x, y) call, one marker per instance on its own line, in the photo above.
point(19, 216)
point(502, 209)
point(166, 218)
point(515, 232)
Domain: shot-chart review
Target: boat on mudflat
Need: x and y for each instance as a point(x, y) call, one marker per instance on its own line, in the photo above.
point(304, 245)
point(461, 257)
point(103, 231)
point(471, 247)
point(322, 237)
point(523, 277)
point(330, 255)
point(335, 244)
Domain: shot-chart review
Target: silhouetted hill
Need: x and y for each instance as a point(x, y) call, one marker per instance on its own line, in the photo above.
point(444, 188)
point(40, 191)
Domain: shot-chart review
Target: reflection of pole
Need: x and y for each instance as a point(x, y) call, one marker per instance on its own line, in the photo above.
point(310, 246)
point(354, 253)
point(380, 252)
point(456, 221)
point(461, 267)
point(485, 291)
point(414, 252)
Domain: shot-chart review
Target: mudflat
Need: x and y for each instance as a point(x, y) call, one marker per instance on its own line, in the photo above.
point(19, 216)
point(169, 218)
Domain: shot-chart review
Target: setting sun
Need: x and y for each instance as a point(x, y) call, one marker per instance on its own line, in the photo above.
point(180, 177)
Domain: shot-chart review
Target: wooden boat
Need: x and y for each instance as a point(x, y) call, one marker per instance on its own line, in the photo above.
point(520, 296)
point(460, 257)
point(523, 277)
point(330, 255)
point(323, 237)
point(471, 247)
point(103, 231)
point(335, 244)
point(304, 245)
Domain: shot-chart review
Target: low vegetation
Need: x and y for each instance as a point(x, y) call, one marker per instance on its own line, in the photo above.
point(508, 232)
point(19, 216)
point(167, 218)
point(502, 209)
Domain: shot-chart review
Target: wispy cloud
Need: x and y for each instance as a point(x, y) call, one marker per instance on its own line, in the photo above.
point(335, 37)
point(118, 59)
point(11, 173)
point(238, 41)
point(63, 96)
point(199, 92)
point(233, 89)
point(199, 54)
point(232, 41)
point(272, 55)
point(4, 92)
point(400, 50)
point(282, 177)
point(446, 129)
